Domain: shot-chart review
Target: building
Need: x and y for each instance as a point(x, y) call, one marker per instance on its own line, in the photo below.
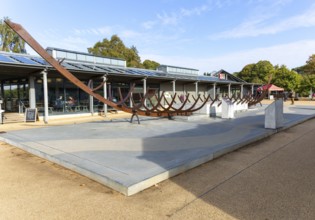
point(25, 77)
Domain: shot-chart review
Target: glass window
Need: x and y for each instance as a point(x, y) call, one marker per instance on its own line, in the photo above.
point(90, 58)
point(121, 63)
point(114, 62)
point(106, 61)
point(99, 60)
point(61, 54)
point(81, 57)
point(71, 56)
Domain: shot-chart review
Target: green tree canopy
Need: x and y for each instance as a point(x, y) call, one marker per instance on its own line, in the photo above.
point(285, 78)
point(308, 75)
point(257, 73)
point(150, 64)
point(9, 40)
point(116, 48)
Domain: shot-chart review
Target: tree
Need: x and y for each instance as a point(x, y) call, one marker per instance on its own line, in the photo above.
point(257, 73)
point(9, 40)
point(133, 58)
point(150, 64)
point(285, 78)
point(308, 75)
point(116, 48)
point(246, 73)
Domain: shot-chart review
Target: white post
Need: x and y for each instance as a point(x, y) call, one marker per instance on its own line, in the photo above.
point(32, 97)
point(242, 88)
point(44, 73)
point(196, 88)
point(214, 90)
point(252, 89)
point(229, 92)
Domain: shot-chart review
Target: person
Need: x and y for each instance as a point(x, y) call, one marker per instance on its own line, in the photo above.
point(285, 96)
point(182, 98)
point(71, 101)
point(291, 96)
point(59, 103)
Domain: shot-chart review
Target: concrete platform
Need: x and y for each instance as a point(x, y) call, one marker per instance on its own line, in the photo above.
point(131, 157)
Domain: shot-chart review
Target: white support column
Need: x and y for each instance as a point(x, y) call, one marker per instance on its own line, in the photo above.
point(229, 92)
point(44, 73)
point(144, 90)
point(252, 89)
point(105, 94)
point(174, 86)
point(242, 90)
point(214, 90)
point(32, 97)
point(91, 100)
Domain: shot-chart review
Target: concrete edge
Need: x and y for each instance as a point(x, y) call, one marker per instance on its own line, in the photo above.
point(195, 163)
point(82, 171)
point(135, 188)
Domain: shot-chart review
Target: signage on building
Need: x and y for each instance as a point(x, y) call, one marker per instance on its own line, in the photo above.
point(221, 76)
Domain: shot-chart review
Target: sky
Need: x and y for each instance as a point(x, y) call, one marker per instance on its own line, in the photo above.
point(207, 35)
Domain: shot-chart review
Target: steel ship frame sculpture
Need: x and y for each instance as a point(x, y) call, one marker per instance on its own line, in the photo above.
point(157, 109)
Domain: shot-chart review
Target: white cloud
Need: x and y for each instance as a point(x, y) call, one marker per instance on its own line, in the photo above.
point(129, 34)
point(194, 11)
point(255, 26)
point(292, 55)
point(101, 31)
point(174, 18)
point(149, 24)
point(168, 19)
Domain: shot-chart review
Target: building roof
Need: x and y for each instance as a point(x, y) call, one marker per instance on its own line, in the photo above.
point(270, 87)
point(14, 60)
point(229, 76)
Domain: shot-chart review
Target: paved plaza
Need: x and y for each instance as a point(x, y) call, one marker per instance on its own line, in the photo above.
point(130, 157)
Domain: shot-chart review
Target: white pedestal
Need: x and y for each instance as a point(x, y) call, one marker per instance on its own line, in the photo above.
point(227, 109)
point(215, 109)
point(274, 115)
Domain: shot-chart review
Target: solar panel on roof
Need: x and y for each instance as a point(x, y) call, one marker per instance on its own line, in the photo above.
point(141, 73)
point(24, 60)
point(85, 67)
point(150, 73)
point(39, 60)
point(109, 70)
point(130, 72)
point(116, 70)
point(90, 67)
point(102, 68)
point(74, 65)
point(159, 74)
point(6, 59)
point(68, 66)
